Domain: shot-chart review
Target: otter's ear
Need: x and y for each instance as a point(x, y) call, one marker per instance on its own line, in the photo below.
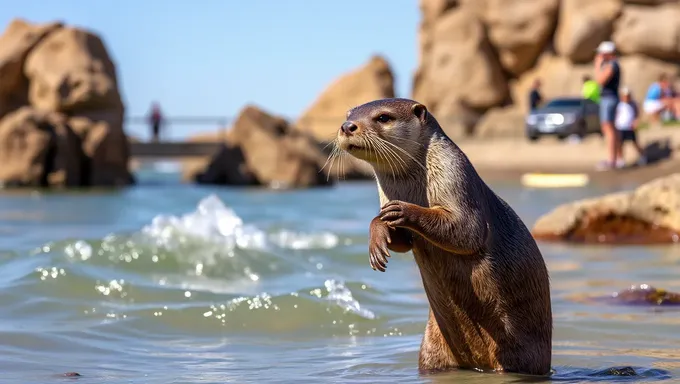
point(419, 111)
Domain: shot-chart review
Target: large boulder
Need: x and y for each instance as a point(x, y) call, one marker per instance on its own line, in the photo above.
point(649, 214)
point(460, 69)
point(52, 72)
point(323, 118)
point(38, 149)
point(519, 30)
point(71, 71)
point(19, 38)
point(652, 31)
point(104, 147)
point(263, 149)
point(582, 25)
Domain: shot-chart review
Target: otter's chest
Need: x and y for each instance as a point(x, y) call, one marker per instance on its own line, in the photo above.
point(403, 190)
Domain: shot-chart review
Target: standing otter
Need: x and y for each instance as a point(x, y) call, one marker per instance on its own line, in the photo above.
point(483, 274)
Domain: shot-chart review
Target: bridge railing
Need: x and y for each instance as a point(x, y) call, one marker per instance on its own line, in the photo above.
point(139, 126)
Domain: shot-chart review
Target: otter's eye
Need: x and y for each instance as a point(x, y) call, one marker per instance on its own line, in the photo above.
point(384, 118)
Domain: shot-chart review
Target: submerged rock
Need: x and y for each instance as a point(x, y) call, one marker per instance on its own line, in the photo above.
point(644, 294)
point(648, 215)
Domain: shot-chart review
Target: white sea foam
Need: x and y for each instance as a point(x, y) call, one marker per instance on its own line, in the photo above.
point(215, 222)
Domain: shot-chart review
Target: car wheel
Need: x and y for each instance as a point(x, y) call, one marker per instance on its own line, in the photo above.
point(532, 138)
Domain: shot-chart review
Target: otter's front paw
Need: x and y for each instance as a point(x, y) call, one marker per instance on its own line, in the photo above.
point(379, 238)
point(395, 213)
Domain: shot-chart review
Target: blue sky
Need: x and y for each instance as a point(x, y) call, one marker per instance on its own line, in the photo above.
point(210, 57)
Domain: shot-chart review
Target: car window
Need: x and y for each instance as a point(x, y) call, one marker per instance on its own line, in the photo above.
point(564, 103)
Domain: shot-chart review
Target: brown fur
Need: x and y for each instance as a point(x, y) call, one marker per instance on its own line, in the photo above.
point(484, 276)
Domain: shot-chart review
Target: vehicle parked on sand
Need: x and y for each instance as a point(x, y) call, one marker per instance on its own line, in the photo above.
point(564, 117)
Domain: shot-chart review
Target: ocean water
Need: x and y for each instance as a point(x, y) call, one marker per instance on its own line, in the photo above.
point(171, 283)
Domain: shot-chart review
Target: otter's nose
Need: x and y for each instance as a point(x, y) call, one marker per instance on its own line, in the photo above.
point(348, 128)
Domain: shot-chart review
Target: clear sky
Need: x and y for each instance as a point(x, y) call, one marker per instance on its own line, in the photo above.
point(210, 57)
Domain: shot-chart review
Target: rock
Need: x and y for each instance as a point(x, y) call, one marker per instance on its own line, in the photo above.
point(582, 25)
point(652, 31)
point(105, 148)
point(501, 122)
point(460, 68)
point(431, 11)
point(645, 294)
point(640, 71)
point(519, 30)
point(262, 149)
point(372, 81)
point(38, 149)
point(236, 172)
point(19, 38)
point(70, 71)
point(64, 82)
point(650, 214)
point(559, 78)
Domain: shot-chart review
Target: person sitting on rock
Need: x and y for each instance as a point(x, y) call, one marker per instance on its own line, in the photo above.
point(626, 122)
point(661, 98)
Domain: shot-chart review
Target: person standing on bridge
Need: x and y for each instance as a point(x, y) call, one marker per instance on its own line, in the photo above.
point(155, 120)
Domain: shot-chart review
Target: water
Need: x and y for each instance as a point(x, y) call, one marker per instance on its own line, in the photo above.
point(169, 283)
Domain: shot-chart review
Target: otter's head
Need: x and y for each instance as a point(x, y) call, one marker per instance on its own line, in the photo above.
point(386, 133)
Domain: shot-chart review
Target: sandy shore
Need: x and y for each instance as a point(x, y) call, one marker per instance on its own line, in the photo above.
point(510, 158)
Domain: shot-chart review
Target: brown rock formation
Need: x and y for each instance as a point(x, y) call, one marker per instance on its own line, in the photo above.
point(19, 38)
point(582, 25)
point(372, 81)
point(59, 93)
point(262, 149)
point(649, 214)
point(459, 69)
point(479, 56)
point(651, 31)
point(501, 122)
point(519, 30)
point(38, 149)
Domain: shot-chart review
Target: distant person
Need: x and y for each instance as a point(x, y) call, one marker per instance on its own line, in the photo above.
point(608, 75)
point(155, 120)
point(626, 123)
point(661, 97)
point(535, 97)
point(591, 89)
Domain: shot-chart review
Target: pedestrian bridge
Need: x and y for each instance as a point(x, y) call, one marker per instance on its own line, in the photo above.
point(176, 149)
point(170, 149)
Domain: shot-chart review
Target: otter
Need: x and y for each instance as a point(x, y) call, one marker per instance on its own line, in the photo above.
point(484, 277)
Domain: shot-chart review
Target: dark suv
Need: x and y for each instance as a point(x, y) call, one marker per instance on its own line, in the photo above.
point(563, 117)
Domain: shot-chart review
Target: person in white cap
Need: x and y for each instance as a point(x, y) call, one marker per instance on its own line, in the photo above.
point(626, 122)
point(608, 75)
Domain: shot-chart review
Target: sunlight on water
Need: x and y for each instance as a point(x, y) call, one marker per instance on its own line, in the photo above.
point(214, 286)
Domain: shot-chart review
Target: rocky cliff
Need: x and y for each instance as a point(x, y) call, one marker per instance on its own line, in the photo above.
point(478, 58)
point(61, 112)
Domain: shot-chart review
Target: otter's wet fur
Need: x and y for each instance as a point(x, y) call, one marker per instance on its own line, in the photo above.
point(485, 278)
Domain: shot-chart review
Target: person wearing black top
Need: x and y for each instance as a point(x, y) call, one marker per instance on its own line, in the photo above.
point(608, 75)
point(535, 95)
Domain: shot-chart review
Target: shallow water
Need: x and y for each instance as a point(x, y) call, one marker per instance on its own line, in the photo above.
point(168, 283)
